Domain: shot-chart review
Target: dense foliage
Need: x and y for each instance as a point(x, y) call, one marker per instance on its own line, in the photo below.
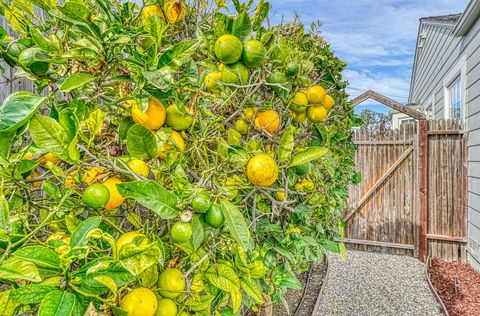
point(143, 164)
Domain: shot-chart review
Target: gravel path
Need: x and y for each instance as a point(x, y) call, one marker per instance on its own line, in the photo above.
point(373, 284)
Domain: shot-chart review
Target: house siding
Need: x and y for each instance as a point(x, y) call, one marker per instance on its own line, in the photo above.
point(433, 62)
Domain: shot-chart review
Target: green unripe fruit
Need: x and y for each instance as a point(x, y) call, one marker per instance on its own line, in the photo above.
point(96, 195)
point(214, 216)
point(253, 54)
point(228, 49)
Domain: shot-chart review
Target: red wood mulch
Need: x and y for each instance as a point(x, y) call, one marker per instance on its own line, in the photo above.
point(462, 299)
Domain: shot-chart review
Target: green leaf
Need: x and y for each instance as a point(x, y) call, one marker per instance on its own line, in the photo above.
point(234, 138)
point(236, 224)
point(7, 304)
point(151, 195)
point(6, 141)
point(161, 78)
point(80, 235)
point(41, 41)
point(17, 109)
point(31, 293)
point(68, 120)
point(113, 269)
point(95, 122)
point(260, 14)
point(197, 233)
point(138, 259)
point(311, 154)
point(48, 134)
point(41, 256)
point(178, 54)
point(242, 26)
point(14, 269)
point(25, 165)
point(223, 277)
point(251, 288)
point(76, 81)
point(141, 142)
point(57, 303)
point(4, 212)
point(236, 297)
point(287, 143)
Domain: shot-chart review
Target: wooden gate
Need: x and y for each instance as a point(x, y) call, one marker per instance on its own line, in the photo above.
point(385, 209)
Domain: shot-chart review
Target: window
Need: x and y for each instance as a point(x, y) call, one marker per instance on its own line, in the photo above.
point(454, 91)
point(406, 121)
point(455, 99)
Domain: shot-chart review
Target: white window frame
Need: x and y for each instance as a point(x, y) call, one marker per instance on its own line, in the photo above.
point(430, 104)
point(459, 70)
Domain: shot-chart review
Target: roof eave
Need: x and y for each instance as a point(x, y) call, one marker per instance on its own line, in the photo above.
point(468, 19)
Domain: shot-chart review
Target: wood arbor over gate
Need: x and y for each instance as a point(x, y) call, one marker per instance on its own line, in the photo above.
point(412, 198)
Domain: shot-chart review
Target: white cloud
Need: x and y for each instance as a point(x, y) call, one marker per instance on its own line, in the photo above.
point(375, 37)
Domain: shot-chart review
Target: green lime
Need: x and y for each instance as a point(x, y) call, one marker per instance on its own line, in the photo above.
point(178, 120)
point(214, 216)
point(96, 195)
point(166, 307)
point(181, 232)
point(201, 203)
point(307, 66)
point(276, 78)
point(235, 74)
point(35, 60)
point(292, 68)
point(253, 54)
point(228, 49)
point(303, 169)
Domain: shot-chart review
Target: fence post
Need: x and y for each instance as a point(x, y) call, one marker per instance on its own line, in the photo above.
point(423, 186)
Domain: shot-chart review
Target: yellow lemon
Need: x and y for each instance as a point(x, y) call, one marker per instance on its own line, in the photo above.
point(129, 237)
point(140, 302)
point(171, 283)
point(151, 10)
point(212, 79)
point(328, 102)
point(175, 10)
point(262, 170)
point(316, 95)
point(268, 121)
point(177, 140)
point(153, 117)
point(139, 167)
point(299, 117)
point(241, 126)
point(115, 198)
point(166, 307)
point(317, 114)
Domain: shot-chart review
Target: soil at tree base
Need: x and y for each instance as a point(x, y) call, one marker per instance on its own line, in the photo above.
point(294, 297)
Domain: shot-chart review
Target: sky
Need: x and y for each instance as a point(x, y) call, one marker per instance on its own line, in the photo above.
point(375, 37)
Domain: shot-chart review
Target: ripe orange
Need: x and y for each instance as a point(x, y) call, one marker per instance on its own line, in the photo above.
point(268, 121)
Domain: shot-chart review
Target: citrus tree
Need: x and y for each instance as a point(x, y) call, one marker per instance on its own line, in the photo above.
point(176, 159)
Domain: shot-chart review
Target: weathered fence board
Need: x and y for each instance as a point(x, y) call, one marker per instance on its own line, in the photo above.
point(447, 190)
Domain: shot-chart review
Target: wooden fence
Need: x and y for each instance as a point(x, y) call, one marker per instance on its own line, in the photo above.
point(385, 209)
